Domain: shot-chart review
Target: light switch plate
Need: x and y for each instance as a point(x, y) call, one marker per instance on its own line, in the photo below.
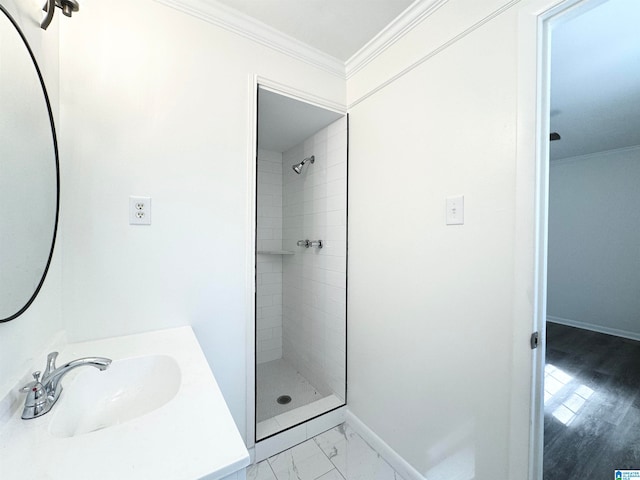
point(455, 210)
point(139, 210)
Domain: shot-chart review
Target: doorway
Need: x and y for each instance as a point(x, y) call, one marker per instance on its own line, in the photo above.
point(300, 262)
point(591, 356)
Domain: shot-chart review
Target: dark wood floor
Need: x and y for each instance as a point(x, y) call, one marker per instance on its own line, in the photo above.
point(592, 408)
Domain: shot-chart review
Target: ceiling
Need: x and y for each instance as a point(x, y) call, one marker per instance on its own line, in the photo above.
point(595, 80)
point(595, 63)
point(284, 122)
point(336, 27)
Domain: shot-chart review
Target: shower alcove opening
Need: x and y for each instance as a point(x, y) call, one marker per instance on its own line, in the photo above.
point(301, 262)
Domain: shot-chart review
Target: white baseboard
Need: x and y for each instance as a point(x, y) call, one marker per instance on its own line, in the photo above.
point(398, 463)
point(594, 328)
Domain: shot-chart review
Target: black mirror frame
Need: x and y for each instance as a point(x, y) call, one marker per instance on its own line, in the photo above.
point(55, 149)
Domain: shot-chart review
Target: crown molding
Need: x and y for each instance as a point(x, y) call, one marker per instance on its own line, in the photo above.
point(595, 155)
point(237, 22)
point(398, 28)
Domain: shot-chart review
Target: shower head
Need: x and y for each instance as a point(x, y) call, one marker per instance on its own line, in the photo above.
point(298, 166)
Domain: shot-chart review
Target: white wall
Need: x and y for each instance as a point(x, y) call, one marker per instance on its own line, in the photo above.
point(156, 102)
point(314, 280)
point(594, 260)
point(23, 340)
point(269, 266)
point(431, 330)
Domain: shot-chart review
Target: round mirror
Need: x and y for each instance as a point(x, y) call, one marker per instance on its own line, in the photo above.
point(29, 176)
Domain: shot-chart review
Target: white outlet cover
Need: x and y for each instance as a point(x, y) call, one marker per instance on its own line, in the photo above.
point(139, 210)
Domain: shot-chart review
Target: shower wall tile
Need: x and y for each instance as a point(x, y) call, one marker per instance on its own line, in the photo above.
point(269, 267)
point(314, 280)
point(272, 311)
point(269, 277)
point(271, 322)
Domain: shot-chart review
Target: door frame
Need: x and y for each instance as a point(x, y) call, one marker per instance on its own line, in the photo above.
point(255, 81)
point(536, 19)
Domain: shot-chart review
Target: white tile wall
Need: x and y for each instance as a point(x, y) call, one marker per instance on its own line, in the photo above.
point(269, 267)
point(314, 280)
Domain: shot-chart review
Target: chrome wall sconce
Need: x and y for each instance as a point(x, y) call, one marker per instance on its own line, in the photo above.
point(67, 6)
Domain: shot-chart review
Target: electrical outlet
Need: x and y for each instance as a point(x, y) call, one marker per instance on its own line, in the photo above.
point(139, 210)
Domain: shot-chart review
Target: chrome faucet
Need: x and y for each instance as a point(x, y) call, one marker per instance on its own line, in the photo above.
point(43, 394)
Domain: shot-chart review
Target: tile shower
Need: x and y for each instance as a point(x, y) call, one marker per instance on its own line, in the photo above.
point(301, 291)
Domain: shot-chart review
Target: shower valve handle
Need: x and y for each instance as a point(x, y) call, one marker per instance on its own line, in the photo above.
point(310, 243)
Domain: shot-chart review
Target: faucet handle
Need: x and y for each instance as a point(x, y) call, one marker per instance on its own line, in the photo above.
point(32, 385)
point(51, 363)
point(37, 401)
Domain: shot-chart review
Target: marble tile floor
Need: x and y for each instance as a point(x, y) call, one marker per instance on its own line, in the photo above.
point(337, 454)
point(592, 404)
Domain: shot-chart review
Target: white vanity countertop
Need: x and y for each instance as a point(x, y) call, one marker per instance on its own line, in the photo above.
point(190, 437)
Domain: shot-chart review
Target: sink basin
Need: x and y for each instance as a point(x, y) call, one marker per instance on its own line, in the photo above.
point(128, 422)
point(128, 389)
